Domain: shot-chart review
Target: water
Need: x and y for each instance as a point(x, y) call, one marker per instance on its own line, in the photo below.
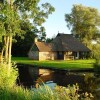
point(30, 76)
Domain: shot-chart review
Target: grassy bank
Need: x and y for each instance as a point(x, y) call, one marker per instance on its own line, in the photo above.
point(71, 64)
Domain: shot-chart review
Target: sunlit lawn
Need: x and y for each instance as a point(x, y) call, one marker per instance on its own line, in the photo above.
point(70, 64)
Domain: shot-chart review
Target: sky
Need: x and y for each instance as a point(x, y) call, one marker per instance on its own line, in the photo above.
point(56, 21)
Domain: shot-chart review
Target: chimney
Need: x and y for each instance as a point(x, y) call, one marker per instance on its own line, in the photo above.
point(36, 40)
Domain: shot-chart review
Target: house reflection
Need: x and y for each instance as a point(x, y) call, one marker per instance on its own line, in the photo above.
point(30, 76)
point(41, 75)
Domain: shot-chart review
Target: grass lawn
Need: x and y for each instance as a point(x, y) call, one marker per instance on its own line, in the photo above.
point(71, 64)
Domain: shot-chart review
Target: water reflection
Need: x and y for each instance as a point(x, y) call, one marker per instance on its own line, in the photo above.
point(30, 76)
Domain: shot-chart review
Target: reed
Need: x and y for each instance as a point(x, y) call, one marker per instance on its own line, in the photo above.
point(43, 93)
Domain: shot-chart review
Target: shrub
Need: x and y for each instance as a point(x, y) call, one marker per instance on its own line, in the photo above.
point(43, 93)
point(5, 79)
point(60, 93)
point(97, 68)
point(96, 55)
point(15, 93)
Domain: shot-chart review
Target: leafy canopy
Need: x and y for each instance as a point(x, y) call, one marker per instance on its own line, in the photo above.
point(20, 11)
point(84, 23)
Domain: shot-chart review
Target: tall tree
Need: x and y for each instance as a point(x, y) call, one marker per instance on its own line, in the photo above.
point(84, 23)
point(13, 13)
point(21, 45)
point(9, 22)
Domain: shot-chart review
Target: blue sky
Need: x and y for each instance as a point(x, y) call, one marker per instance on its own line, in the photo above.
point(56, 22)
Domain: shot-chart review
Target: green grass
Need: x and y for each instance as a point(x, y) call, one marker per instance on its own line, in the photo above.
point(71, 64)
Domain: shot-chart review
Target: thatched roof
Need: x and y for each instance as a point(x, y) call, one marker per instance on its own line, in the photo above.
point(66, 42)
point(43, 47)
point(62, 42)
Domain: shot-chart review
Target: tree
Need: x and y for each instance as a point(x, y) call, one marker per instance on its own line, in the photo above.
point(9, 22)
point(84, 23)
point(49, 40)
point(21, 45)
point(13, 13)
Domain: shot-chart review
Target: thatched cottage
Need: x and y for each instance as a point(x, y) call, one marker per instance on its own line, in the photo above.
point(63, 47)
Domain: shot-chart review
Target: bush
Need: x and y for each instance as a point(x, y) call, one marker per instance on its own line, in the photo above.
point(96, 55)
point(5, 79)
point(15, 93)
point(61, 93)
point(97, 67)
point(44, 93)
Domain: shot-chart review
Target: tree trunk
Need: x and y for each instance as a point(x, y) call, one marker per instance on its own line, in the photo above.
point(9, 54)
point(2, 52)
point(7, 48)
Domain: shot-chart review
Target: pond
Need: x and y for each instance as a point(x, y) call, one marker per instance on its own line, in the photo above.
point(30, 76)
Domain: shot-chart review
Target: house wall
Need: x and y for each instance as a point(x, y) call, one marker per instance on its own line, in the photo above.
point(33, 55)
point(68, 56)
point(47, 55)
point(55, 55)
point(77, 55)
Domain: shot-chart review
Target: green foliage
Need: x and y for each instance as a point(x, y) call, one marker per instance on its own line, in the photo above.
point(96, 51)
point(6, 79)
point(34, 11)
point(10, 20)
point(96, 55)
point(15, 93)
point(43, 93)
point(49, 40)
point(22, 46)
point(20, 17)
point(69, 93)
point(97, 67)
point(84, 22)
point(90, 82)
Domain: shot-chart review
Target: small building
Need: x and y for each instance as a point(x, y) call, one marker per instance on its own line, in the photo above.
point(63, 47)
